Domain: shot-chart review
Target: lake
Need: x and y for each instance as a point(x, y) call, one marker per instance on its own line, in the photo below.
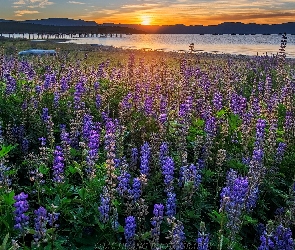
point(219, 44)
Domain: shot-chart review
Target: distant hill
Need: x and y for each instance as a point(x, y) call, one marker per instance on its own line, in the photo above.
point(223, 28)
point(62, 22)
point(71, 25)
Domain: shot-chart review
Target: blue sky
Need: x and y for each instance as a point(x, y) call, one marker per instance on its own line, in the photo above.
point(189, 12)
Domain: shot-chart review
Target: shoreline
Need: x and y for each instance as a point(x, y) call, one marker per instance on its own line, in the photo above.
point(64, 44)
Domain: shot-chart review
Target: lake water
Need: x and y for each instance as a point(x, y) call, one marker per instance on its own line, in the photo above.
point(232, 44)
point(220, 44)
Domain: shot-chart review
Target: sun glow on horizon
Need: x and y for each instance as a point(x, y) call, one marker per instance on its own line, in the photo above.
point(145, 20)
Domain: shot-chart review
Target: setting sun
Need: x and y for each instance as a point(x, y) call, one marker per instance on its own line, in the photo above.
point(145, 20)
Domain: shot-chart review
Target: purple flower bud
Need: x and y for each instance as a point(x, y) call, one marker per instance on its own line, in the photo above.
point(129, 231)
point(105, 206)
point(178, 236)
point(217, 101)
point(144, 158)
point(168, 170)
point(45, 115)
point(58, 165)
point(41, 220)
point(171, 205)
point(21, 207)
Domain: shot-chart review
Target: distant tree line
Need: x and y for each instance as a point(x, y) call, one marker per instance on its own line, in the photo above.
point(18, 27)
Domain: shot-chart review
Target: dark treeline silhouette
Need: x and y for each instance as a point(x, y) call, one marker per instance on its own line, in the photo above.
point(69, 26)
point(223, 28)
point(20, 27)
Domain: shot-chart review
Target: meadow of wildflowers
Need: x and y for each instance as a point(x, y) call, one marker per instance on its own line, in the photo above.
point(147, 150)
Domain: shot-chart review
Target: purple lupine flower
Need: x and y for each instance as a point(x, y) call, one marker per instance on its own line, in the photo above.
point(93, 146)
point(255, 107)
point(10, 85)
point(171, 205)
point(110, 134)
point(190, 173)
point(87, 126)
point(260, 86)
point(217, 101)
point(182, 110)
point(135, 193)
point(123, 183)
point(256, 172)
point(64, 84)
point(233, 199)
point(158, 214)
point(164, 150)
point(288, 121)
point(201, 164)
point(110, 142)
point(182, 175)
point(163, 109)
point(105, 206)
point(273, 102)
point(281, 238)
point(129, 231)
point(260, 131)
point(266, 242)
point(52, 218)
point(45, 115)
point(41, 220)
point(56, 99)
point(156, 223)
point(210, 126)
point(64, 135)
point(148, 106)
point(52, 80)
point(117, 163)
point(167, 171)
point(47, 83)
point(127, 102)
point(79, 90)
point(203, 241)
point(38, 89)
point(163, 118)
point(189, 103)
point(238, 104)
point(163, 104)
point(257, 157)
point(268, 85)
point(21, 207)
point(58, 165)
point(195, 175)
point(178, 236)
point(100, 72)
point(252, 198)
point(42, 141)
point(144, 158)
point(98, 101)
point(280, 152)
point(96, 86)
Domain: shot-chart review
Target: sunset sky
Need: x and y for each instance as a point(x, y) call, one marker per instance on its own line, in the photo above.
point(188, 12)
